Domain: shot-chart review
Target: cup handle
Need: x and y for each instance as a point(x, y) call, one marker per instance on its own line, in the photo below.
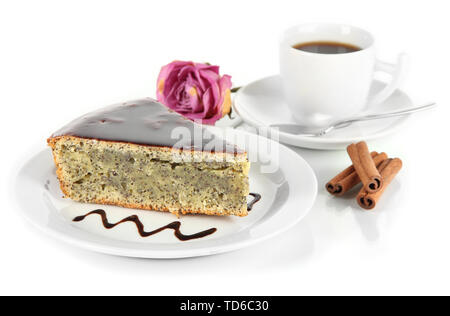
point(397, 72)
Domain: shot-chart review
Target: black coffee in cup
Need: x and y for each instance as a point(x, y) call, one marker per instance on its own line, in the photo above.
point(324, 47)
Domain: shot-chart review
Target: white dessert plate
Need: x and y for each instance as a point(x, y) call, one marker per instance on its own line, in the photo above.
point(261, 103)
point(285, 181)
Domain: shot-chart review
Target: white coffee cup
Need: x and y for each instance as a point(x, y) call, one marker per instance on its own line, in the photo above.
point(320, 88)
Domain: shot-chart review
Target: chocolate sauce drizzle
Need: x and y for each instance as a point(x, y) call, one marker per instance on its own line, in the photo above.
point(256, 198)
point(135, 219)
point(174, 225)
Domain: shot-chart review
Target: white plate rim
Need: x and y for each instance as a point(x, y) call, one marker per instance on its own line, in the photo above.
point(155, 254)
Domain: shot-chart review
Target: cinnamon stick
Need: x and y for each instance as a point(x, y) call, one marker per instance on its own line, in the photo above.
point(348, 178)
point(388, 170)
point(365, 167)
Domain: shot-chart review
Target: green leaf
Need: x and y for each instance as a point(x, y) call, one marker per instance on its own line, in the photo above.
point(235, 89)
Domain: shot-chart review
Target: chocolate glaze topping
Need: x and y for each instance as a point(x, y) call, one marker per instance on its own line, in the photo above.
point(145, 122)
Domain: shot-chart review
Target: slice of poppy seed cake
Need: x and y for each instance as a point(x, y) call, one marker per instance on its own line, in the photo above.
point(131, 155)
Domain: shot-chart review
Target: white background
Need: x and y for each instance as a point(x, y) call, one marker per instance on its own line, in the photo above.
point(60, 59)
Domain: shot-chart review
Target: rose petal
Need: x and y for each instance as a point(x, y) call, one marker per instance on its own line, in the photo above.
point(163, 74)
point(225, 82)
point(213, 81)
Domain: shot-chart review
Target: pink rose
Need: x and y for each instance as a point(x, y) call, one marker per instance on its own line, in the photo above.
point(195, 90)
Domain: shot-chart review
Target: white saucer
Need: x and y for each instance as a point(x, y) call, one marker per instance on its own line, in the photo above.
point(261, 103)
point(287, 196)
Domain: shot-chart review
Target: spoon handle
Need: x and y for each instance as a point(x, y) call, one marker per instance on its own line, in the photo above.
point(386, 115)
